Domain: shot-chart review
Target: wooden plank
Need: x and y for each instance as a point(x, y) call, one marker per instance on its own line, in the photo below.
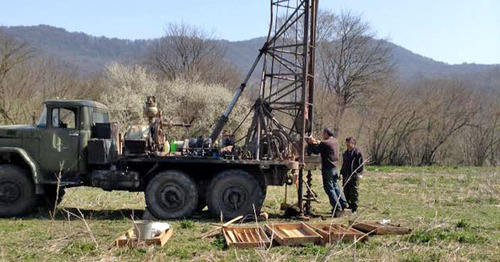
point(215, 230)
point(293, 234)
point(261, 235)
point(247, 234)
point(374, 227)
point(248, 239)
point(252, 235)
point(232, 237)
point(167, 236)
point(237, 236)
point(232, 221)
point(227, 238)
point(336, 232)
point(299, 233)
point(241, 237)
point(287, 232)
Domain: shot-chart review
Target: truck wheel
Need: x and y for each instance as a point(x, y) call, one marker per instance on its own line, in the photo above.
point(234, 193)
point(48, 199)
point(17, 192)
point(171, 194)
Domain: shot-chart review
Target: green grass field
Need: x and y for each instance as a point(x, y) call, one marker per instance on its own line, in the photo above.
point(454, 214)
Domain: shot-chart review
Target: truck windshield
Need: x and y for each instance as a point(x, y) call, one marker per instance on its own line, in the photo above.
point(42, 121)
point(99, 117)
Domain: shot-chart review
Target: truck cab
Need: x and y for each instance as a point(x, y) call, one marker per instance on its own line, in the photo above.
point(63, 132)
point(52, 151)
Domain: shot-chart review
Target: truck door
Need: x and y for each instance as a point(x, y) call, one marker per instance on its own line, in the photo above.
point(59, 145)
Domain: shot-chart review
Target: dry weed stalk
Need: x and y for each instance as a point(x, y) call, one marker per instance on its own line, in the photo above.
point(263, 250)
point(82, 217)
point(58, 185)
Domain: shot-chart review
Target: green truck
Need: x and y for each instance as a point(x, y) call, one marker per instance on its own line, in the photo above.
point(73, 144)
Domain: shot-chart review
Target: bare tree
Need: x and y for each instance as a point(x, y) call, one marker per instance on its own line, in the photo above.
point(393, 120)
point(482, 136)
point(187, 52)
point(12, 55)
point(448, 108)
point(36, 80)
point(351, 61)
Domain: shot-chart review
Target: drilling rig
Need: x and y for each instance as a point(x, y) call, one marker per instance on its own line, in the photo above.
point(283, 112)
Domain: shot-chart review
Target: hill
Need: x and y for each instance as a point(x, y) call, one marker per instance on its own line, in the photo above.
point(91, 53)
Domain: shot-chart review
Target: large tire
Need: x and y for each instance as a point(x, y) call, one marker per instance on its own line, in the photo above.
point(171, 194)
point(17, 192)
point(234, 193)
point(48, 199)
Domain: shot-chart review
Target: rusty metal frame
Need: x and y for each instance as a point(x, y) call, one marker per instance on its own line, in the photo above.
point(286, 94)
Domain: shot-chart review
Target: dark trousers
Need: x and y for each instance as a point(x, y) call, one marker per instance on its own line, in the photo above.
point(332, 189)
point(351, 191)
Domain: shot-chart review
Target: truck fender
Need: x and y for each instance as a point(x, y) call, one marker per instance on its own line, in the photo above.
point(30, 162)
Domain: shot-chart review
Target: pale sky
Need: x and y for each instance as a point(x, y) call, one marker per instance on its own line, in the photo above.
point(452, 31)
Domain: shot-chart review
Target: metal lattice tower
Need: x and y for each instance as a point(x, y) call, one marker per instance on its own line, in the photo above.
point(283, 111)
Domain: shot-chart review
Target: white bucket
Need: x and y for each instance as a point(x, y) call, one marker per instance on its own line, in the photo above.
point(143, 229)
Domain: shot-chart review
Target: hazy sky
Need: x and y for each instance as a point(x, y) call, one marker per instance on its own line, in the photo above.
point(452, 31)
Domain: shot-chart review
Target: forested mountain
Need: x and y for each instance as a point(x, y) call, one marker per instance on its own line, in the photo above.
point(91, 53)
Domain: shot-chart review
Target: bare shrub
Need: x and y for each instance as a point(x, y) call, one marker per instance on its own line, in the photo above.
point(351, 61)
point(482, 136)
point(448, 108)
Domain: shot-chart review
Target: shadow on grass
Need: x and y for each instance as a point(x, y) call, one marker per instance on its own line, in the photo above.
point(115, 214)
point(75, 213)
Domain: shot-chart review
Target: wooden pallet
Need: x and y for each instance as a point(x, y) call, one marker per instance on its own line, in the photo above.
point(332, 233)
point(129, 239)
point(377, 228)
point(245, 237)
point(293, 234)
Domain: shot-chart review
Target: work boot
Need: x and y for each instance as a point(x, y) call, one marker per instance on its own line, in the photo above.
point(338, 214)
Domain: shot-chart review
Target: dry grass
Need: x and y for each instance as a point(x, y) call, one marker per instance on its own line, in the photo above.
point(453, 212)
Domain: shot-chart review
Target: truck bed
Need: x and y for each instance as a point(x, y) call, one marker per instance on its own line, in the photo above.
point(207, 160)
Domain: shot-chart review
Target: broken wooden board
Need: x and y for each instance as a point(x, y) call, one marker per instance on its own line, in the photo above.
point(245, 237)
point(333, 233)
point(217, 230)
point(377, 228)
point(293, 234)
point(129, 239)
